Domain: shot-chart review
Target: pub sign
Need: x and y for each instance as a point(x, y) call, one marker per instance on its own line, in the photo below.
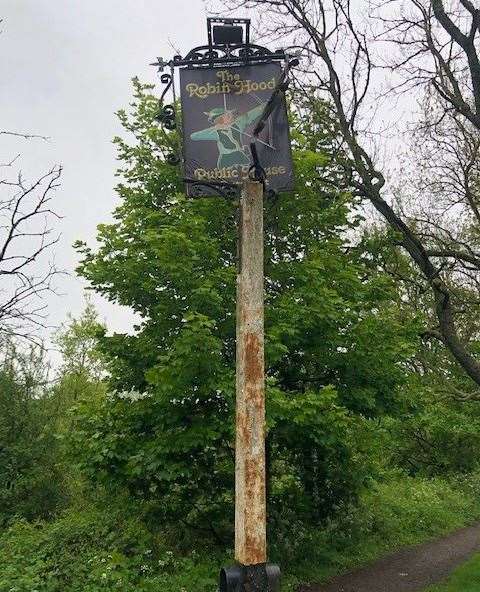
point(220, 108)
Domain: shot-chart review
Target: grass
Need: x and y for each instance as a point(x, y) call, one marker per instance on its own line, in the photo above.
point(392, 515)
point(466, 578)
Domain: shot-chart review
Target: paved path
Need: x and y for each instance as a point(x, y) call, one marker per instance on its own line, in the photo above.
point(411, 569)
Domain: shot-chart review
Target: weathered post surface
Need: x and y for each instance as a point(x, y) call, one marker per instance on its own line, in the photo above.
point(250, 502)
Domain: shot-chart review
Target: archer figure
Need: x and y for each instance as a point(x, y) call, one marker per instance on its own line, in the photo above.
point(227, 131)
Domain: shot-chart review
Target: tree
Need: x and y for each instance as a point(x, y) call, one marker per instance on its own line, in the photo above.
point(77, 341)
point(25, 236)
point(82, 373)
point(440, 41)
point(335, 347)
point(30, 475)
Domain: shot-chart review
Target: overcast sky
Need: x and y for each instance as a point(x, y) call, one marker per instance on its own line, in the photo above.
point(66, 67)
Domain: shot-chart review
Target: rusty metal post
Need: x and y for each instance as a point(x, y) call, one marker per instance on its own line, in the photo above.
point(253, 574)
point(250, 502)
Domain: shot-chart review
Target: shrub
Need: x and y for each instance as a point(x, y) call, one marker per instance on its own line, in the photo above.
point(92, 550)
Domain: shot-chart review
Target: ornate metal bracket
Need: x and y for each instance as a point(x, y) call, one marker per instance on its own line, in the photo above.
point(222, 55)
point(167, 112)
point(222, 188)
point(167, 115)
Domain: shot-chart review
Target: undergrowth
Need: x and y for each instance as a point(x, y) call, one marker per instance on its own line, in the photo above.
point(91, 550)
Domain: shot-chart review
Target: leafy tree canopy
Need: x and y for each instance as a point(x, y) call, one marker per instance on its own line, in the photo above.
point(336, 347)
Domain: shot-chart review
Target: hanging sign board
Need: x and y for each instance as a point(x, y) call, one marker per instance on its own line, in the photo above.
point(220, 107)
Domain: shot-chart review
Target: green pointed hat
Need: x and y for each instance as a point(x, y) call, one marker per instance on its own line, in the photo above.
point(216, 112)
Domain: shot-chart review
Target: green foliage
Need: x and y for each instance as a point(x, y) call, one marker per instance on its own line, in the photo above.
point(310, 456)
point(30, 478)
point(35, 480)
point(106, 546)
point(82, 371)
point(93, 550)
point(335, 349)
point(438, 434)
point(77, 341)
point(439, 437)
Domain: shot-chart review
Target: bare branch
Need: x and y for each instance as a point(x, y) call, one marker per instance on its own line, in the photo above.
point(438, 56)
point(26, 237)
point(23, 135)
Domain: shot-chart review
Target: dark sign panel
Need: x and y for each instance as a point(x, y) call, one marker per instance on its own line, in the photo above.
point(220, 107)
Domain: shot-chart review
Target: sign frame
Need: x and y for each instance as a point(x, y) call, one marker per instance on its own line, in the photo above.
point(221, 107)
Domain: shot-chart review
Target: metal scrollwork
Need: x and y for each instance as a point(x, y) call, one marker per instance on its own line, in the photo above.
point(219, 54)
point(168, 80)
point(167, 112)
point(167, 115)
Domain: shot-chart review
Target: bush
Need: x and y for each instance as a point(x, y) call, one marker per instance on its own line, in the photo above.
point(336, 347)
point(93, 550)
point(441, 438)
point(31, 479)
